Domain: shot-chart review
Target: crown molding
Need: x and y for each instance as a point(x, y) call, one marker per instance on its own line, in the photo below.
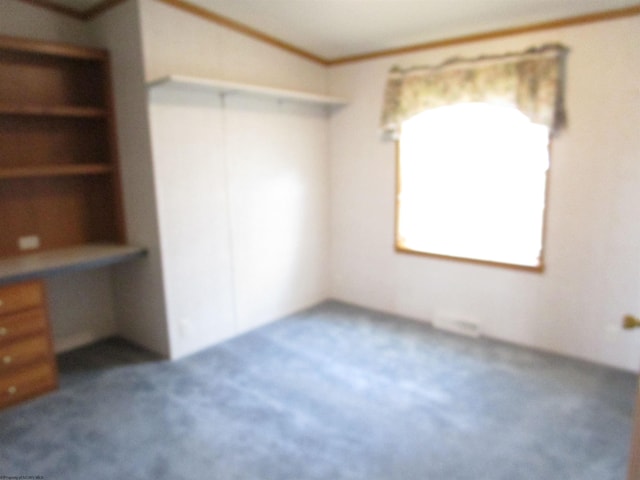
point(535, 27)
point(506, 32)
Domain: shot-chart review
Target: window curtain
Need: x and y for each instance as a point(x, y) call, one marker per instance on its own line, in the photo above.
point(531, 81)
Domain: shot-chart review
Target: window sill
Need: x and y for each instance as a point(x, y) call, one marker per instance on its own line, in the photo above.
point(488, 263)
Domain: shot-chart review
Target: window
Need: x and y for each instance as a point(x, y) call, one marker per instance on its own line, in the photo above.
point(472, 184)
point(473, 153)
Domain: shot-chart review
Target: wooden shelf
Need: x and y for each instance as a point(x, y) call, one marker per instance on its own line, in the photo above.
point(82, 257)
point(53, 111)
point(59, 174)
point(226, 87)
point(56, 170)
point(63, 50)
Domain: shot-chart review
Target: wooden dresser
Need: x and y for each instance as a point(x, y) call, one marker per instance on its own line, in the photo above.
point(27, 362)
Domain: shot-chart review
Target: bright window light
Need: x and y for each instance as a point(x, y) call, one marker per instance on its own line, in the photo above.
point(472, 185)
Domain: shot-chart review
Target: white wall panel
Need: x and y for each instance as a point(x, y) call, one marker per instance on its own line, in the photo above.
point(241, 183)
point(177, 42)
point(191, 186)
point(278, 186)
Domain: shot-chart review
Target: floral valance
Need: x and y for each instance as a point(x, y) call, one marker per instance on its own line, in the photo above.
point(531, 81)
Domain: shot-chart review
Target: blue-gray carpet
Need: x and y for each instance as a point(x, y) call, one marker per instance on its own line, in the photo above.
point(334, 393)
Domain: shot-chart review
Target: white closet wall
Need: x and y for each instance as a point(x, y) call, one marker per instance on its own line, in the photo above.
point(241, 181)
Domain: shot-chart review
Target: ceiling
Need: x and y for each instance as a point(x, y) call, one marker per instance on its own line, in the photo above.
point(333, 29)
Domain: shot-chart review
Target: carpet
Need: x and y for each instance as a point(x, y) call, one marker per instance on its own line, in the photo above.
point(336, 392)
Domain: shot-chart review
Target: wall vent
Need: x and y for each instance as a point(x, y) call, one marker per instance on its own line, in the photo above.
point(455, 324)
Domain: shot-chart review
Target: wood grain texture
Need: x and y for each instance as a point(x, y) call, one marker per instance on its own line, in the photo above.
point(23, 296)
point(56, 171)
point(27, 362)
point(21, 324)
point(23, 352)
point(473, 261)
point(27, 383)
point(36, 142)
point(26, 45)
point(59, 175)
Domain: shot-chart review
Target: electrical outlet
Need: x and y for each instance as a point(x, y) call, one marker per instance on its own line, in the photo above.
point(29, 242)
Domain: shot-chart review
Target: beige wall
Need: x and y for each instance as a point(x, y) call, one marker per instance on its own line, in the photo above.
point(20, 19)
point(139, 298)
point(593, 234)
point(179, 42)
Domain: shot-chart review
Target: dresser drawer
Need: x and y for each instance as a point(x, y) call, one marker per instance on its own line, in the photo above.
point(20, 324)
point(27, 383)
point(21, 296)
point(23, 352)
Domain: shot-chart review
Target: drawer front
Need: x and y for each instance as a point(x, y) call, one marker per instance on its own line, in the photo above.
point(21, 296)
point(21, 324)
point(23, 352)
point(27, 383)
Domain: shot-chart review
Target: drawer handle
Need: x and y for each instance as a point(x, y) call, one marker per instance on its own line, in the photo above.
point(7, 359)
point(12, 390)
point(3, 331)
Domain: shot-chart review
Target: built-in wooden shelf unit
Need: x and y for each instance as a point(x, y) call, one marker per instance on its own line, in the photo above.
point(60, 199)
point(59, 176)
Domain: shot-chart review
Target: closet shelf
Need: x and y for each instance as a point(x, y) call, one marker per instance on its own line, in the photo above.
point(52, 111)
point(226, 87)
point(56, 170)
